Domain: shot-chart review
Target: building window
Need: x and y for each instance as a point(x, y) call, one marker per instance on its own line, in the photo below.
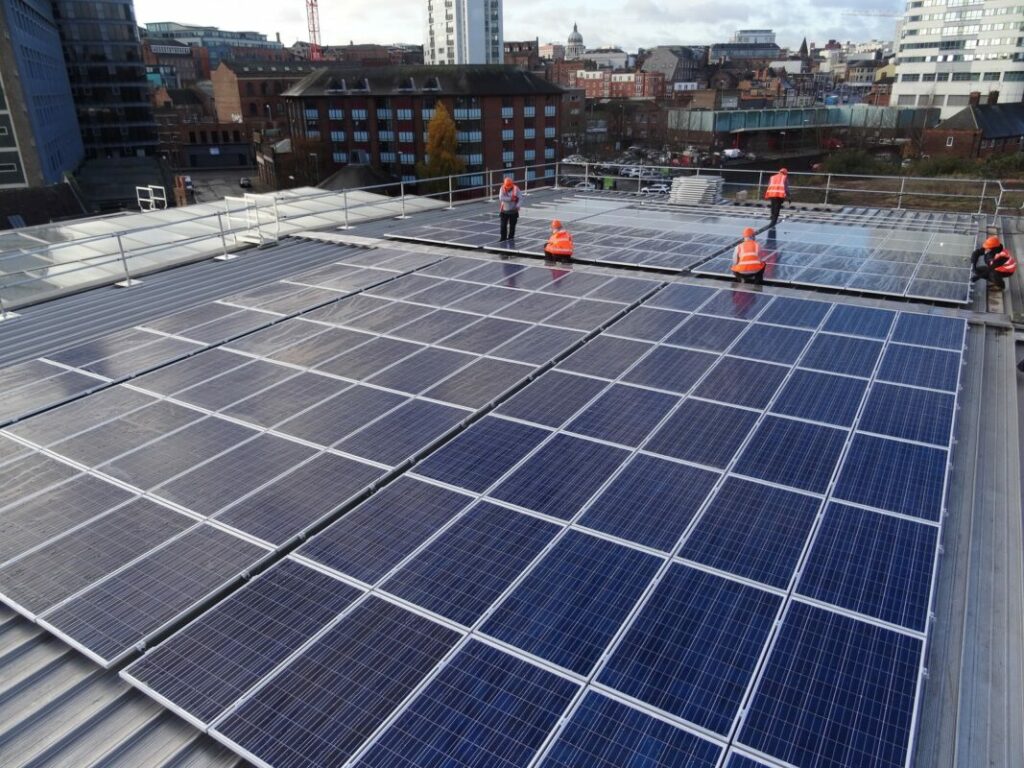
point(358, 114)
point(405, 137)
point(530, 155)
point(907, 100)
point(549, 133)
point(549, 110)
point(529, 133)
point(386, 135)
point(906, 78)
point(387, 157)
point(338, 136)
point(960, 77)
point(340, 157)
point(928, 77)
point(990, 76)
point(506, 134)
point(428, 115)
point(508, 157)
point(506, 113)
point(1013, 77)
point(383, 114)
point(360, 136)
point(312, 114)
point(549, 153)
point(407, 158)
point(529, 111)
point(949, 141)
point(404, 114)
point(336, 114)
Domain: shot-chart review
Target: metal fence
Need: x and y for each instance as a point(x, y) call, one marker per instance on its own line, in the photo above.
point(57, 268)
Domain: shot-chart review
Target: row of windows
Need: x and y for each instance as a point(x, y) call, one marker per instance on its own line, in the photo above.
point(960, 77)
point(1017, 56)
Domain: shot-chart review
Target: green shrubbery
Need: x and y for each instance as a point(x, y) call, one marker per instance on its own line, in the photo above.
point(857, 161)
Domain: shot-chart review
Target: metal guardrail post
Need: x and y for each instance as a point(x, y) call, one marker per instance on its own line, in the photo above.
point(224, 256)
point(556, 175)
point(401, 191)
point(490, 185)
point(899, 200)
point(526, 182)
point(981, 202)
point(760, 183)
point(344, 203)
point(4, 314)
point(828, 187)
point(450, 204)
point(586, 173)
point(127, 282)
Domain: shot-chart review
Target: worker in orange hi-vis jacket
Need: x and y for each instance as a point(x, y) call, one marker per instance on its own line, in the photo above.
point(747, 259)
point(777, 193)
point(560, 244)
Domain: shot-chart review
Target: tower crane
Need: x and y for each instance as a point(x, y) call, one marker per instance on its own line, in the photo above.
point(313, 17)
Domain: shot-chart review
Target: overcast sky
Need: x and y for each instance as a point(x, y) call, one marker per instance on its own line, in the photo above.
point(627, 23)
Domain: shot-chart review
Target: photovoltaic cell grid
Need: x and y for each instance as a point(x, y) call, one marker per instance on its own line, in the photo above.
point(38, 384)
point(932, 264)
point(268, 435)
point(666, 241)
point(635, 561)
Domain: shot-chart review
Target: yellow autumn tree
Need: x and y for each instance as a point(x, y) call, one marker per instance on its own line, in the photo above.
point(442, 148)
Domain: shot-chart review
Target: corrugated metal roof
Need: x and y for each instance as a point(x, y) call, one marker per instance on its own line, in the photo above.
point(57, 708)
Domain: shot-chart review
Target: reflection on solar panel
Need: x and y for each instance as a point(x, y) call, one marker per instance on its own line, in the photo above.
point(931, 265)
point(604, 568)
point(673, 241)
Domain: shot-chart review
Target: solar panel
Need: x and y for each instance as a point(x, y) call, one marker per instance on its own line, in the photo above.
point(374, 537)
point(913, 484)
point(911, 414)
point(552, 399)
point(461, 573)
point(604, 733)
point(538, 345)
point(561, 476)
point(742, 382)
point(694, 648)
point(605, 356)
point(821, 397)
point(874, 564)
point(623, 415)
point(930, 331)
point(793, 453)
point(572, 603)
point(331, 421)
point(651, 502)
point(918, 366)
point(485, 706)
point(109, 619)
point(668, 368)
point(212, 663)
point(648, 323)
point(44, 577)
point(752, 531)
point(842, 354)
point(771, 343)
point(710, 333)
point(863, 676)
point(334, 695)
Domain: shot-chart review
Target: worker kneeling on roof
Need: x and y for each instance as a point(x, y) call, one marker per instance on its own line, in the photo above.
point(559, 245)
point(997, 262)
point(747, 263)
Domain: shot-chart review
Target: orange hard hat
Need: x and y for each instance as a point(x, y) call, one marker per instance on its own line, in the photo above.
point(748, 232)
point(783, 171)
point(992, 242)
point(556, 224)
point(507, 182)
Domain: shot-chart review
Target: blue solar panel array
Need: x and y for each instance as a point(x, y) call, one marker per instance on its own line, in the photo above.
point(663, 550)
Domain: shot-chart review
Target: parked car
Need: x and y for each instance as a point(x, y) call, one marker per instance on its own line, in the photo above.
point(587, 185)
point(656, 189)
point(732, 153)
point(629, 170)
point(245, 182)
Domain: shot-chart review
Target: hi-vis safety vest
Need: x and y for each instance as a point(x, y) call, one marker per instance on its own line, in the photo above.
point(560, 243)
point(1009, 266)
point(776, 187)
point(749, 253)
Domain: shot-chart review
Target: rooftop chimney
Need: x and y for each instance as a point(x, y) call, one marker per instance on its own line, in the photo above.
point(974, 99)
point(993, 97)
point(279, 37)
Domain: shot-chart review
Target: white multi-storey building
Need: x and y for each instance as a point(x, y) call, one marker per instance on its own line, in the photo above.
point(464, 32)
point(948, 49)
point(753, 37)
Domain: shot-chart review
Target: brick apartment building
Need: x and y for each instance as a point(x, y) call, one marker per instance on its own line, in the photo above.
point(250, 92)
point(606, 84)
point(524, 54)
point(378, 117)
point(190, 137)
point(978, 130)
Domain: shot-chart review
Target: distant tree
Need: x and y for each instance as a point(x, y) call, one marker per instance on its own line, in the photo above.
point(442, 147)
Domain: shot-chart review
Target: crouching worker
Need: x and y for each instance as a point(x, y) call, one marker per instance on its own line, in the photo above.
point(747, 263)
point(992, 262)
point(559, 245)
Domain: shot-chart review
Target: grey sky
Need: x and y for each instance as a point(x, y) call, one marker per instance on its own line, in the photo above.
point(628, 23)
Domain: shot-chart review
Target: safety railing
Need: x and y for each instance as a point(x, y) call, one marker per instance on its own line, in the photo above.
point(262, 218)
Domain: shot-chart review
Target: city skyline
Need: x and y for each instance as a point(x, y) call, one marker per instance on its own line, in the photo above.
point(627, 23)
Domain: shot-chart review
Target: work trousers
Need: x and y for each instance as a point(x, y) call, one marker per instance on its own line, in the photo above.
point(757, 278)
point(508, 224)
point(776, 205)
point(983, 272)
